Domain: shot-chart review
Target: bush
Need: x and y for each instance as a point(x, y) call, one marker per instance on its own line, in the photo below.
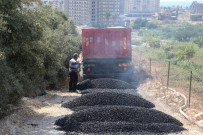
point(36, 45)
point(10, 89)
point(151, 26)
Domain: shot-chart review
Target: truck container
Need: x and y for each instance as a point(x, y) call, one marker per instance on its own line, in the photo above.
point(107, 53)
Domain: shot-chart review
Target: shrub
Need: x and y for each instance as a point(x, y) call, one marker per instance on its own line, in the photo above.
point(10, 89)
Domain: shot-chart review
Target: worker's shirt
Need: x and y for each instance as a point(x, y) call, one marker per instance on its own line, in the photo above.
point(73, 65)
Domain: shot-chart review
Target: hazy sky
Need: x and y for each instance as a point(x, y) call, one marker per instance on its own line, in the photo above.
point(181, 0)
point(184, 3)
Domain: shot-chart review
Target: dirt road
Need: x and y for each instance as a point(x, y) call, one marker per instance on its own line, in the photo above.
point(37, 116)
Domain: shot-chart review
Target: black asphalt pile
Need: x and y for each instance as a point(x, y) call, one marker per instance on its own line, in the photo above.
point(129, 91)
point(109, 83)
point(86, 84)
point(106, 127)
point(117, 114)
point(104, 83)
point(108, 98)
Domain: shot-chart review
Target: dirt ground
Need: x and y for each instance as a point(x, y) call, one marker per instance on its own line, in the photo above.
point(151, 90)
point(37, 116)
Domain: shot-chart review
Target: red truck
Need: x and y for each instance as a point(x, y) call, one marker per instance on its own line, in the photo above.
point(107, 53)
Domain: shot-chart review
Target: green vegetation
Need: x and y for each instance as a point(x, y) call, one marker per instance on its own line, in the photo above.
point(141, 23)
point(182, 44)
point(35, 46)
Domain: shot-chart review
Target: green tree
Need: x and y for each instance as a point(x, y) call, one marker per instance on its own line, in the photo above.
point(139, 23)
point(60, 39)
point(34, 46)
point(151, 25)
point(186, 52)
point(9, 6)
point(167, 47)
point(199, 41)
point(107, 16)
point(184, 33)
point(153, 41)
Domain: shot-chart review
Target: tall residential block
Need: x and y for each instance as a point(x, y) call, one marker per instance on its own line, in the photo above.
point(95, 12)
point(196, 7)
point(81, 11)
point(107, 11)
point(58, 4)
point(141, 6)
point(122, 7)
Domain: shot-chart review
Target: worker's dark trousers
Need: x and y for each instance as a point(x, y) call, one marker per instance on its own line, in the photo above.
point(73, 81)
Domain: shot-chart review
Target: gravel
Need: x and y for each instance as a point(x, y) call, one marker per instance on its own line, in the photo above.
point(106, 127)
point(104, 83)
point(116, 114)
point(108, 98)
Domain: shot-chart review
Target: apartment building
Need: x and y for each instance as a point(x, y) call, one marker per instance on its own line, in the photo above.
point(122, 7)
point(141, 6)
point(196, 8)
point(58, 4)
point(95, 12)
point(128, 6)
point(81, 11)
point(31, 5)
point(107, 11)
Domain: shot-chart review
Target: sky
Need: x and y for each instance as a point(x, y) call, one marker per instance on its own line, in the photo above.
point(178, 2)
point(181, 1)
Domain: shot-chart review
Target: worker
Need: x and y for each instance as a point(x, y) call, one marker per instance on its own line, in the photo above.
point(74, 69)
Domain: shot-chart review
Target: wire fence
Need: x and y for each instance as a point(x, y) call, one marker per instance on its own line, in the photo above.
point(187, 82)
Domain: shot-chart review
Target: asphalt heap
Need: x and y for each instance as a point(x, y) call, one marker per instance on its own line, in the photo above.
point(112, 111)
point(104, 83)
point(107, 98)
point(96, 90)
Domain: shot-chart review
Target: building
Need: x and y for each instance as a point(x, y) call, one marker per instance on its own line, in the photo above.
point(128, 6)
point(94, 12)
point(169, 14)
point(196, 8)
point(31, 5)
point(122, 7)
point(58, 4)
point(141, 6)
point(107, 12)
point(81, 11)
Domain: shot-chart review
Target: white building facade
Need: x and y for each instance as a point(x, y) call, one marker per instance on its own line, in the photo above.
point(95, 12)
point(80, 10)
point(141, 6)
point(59, 4)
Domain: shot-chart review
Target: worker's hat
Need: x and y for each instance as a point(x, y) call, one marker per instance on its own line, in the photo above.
point(75, 55)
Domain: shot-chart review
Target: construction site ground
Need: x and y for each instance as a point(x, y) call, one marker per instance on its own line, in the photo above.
point(36, 116)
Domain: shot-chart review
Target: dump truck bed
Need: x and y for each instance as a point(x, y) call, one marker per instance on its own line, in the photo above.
point(106, 43)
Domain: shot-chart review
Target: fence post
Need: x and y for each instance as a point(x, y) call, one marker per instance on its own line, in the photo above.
point(190, 89)
point(169, 66)
point(150, 66)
